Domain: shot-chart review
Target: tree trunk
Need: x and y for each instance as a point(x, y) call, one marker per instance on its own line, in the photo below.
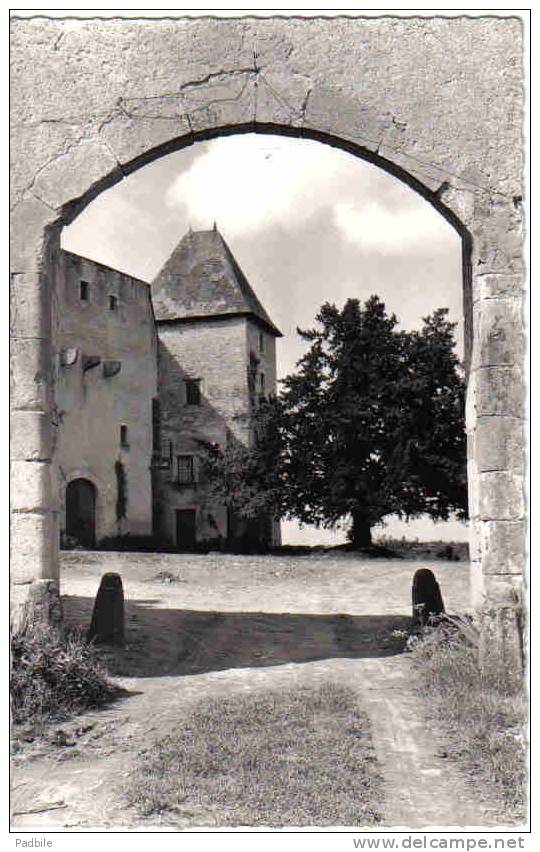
point(361, 531)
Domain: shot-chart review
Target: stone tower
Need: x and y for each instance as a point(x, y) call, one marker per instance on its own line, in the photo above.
point(216, 357)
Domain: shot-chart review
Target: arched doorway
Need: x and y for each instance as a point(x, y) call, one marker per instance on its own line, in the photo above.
point(81, 512)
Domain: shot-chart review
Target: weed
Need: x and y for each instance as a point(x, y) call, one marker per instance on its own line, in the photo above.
point(55, 674)
point(480, 717)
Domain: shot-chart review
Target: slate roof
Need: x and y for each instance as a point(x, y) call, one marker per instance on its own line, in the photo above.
point(201, 279)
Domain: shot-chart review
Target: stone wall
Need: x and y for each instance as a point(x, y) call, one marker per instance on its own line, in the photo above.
point(263, 346)
point(214, 351)
point(438, 102)
point(93, 402)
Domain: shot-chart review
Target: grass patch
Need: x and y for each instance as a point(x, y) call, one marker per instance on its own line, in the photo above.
point(481, 717)
point(301, 757)
point(55, 674)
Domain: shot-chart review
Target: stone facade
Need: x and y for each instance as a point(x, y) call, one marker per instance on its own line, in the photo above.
point(438, 102)
point(106, 378)
point(218, 353)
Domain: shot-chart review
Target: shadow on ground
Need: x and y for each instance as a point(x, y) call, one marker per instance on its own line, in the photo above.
point(162, 642)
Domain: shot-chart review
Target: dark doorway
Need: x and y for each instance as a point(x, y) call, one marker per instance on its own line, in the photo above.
point(81, 512)
point(186, 529)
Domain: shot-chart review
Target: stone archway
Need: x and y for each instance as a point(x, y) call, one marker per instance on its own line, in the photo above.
point(437, 102)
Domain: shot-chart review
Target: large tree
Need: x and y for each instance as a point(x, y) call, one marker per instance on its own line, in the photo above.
point(371, 424)
point(373, 421)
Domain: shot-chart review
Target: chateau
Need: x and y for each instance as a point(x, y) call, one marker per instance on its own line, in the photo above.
point(145, 376)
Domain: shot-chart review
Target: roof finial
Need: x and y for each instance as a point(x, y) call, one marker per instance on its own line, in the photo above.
point(190, 229)
point(215, 226)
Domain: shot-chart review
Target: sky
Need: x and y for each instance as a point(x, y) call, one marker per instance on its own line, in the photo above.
point(307, 223)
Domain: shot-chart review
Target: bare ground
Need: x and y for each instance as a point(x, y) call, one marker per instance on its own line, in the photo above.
point(201, 626)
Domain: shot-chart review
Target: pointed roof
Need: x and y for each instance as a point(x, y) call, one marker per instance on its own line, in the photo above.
point(202, 279)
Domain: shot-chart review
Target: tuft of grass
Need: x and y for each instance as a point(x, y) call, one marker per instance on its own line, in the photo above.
point(301, 757)
point(55, 674)
point(480, 716)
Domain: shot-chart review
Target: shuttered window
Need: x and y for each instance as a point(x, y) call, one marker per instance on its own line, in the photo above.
point(185, 466)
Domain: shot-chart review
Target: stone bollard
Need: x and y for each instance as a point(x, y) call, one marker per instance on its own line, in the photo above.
point(426, 597)
point(107, 625)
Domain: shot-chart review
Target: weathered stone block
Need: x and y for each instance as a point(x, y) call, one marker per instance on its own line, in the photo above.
point(31, 436)
point(460, 201)
point(497, 236)
point(31, 486)
point(502, 590)
point(28, 222)
point(71, 174)
point(30, 376)
point(34, 546)
point(142, 126)
point(499, 390)
point(225, 101)
point(472, 481)
point(502, 547)
point(41, 605)
point(475, 539)
point(281, 98)
point(428, 174)
point(476, 579)
point(500, 496)
point(328, 111)
point(497, 286)
point(470, 402)
point(33, 145)
point(499, 336)
point(499, 444)
point(30, 306)
point(501, 651)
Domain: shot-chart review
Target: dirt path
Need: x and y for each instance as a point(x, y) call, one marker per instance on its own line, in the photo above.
point(238, 648)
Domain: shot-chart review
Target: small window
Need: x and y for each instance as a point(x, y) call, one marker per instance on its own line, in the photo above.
point(84, 291)
point(193, 391)
point(185, 470)
point(261, 342)
point(113, 303)
point(124, 436)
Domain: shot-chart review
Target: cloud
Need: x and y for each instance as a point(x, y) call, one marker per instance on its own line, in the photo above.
point(392, 229)
point(251, 183)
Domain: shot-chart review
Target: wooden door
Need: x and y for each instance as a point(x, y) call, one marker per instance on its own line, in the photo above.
point(81, 512)
point(186, 530)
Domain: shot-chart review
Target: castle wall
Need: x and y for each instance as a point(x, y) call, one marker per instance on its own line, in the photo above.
point(92, 406)
point(214, 351)
point(263, 346)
